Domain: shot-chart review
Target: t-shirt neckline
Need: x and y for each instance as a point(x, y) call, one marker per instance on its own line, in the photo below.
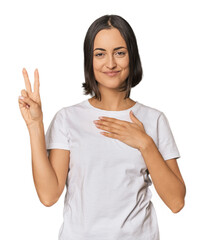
point(110, 111)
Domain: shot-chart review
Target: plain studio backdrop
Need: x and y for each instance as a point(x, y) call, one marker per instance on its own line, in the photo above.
point(172, 38)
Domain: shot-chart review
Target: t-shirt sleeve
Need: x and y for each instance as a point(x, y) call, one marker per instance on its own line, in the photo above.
point(56, 134)
point(166, 142)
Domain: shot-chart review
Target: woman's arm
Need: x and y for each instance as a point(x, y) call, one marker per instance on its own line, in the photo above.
point(44, 176)
point(168, 185)
point(49, 172)
point(165, 177)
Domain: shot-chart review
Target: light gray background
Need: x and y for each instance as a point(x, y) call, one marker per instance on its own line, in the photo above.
point(173, 42)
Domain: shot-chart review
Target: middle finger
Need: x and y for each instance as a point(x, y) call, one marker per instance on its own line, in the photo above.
point(106, 124)
point(27, 81)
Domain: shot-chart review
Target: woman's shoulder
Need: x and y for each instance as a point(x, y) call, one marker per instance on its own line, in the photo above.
point(70, 108)
point(149, 110)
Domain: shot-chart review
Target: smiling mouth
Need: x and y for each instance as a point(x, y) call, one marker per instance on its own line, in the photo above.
point(111, 74)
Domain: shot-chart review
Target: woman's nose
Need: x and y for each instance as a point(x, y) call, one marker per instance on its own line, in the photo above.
point(111, 63)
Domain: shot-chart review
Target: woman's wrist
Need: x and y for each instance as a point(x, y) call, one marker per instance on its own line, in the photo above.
point(147, 143)
point(35, 125)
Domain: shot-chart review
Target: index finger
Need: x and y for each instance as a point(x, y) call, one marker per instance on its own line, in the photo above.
point(27, 81)
point(114, 120)
point(36, 81)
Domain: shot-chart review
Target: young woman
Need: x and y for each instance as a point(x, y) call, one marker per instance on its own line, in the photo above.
point(104, 148)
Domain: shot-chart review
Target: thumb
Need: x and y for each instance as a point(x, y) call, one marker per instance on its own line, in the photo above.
point(27, 99)
point(134, 118)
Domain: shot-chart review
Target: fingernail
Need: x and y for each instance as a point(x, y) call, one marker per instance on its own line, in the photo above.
point(20, 97)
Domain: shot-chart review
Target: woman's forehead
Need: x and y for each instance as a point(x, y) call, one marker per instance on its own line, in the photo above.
point(109, 39)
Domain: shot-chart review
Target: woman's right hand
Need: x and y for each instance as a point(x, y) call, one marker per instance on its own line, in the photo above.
point(30, 106)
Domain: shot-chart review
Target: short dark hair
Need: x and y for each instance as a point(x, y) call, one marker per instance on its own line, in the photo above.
point(135, 69)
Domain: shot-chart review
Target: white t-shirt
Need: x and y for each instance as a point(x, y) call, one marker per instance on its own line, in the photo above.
point(108, 195)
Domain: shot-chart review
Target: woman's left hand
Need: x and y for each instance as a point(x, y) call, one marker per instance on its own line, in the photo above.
point(131, 133)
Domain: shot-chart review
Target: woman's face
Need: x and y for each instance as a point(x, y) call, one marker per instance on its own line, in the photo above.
point(110, 54)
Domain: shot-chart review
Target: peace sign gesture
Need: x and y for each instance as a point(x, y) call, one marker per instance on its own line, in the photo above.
point(30, 102)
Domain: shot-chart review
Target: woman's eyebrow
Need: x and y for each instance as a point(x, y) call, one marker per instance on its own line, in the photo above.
point(102, 49)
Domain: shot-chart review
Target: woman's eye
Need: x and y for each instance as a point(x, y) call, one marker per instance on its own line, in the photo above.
point(98, 54)
point(117, 53)
point(121, 53)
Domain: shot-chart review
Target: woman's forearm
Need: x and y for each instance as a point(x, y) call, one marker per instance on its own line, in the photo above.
point(169, 187)
point(44, 177)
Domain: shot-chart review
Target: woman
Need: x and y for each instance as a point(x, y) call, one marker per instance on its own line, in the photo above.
point(107, 174)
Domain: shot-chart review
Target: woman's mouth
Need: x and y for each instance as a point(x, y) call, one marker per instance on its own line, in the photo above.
point(112, 73)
